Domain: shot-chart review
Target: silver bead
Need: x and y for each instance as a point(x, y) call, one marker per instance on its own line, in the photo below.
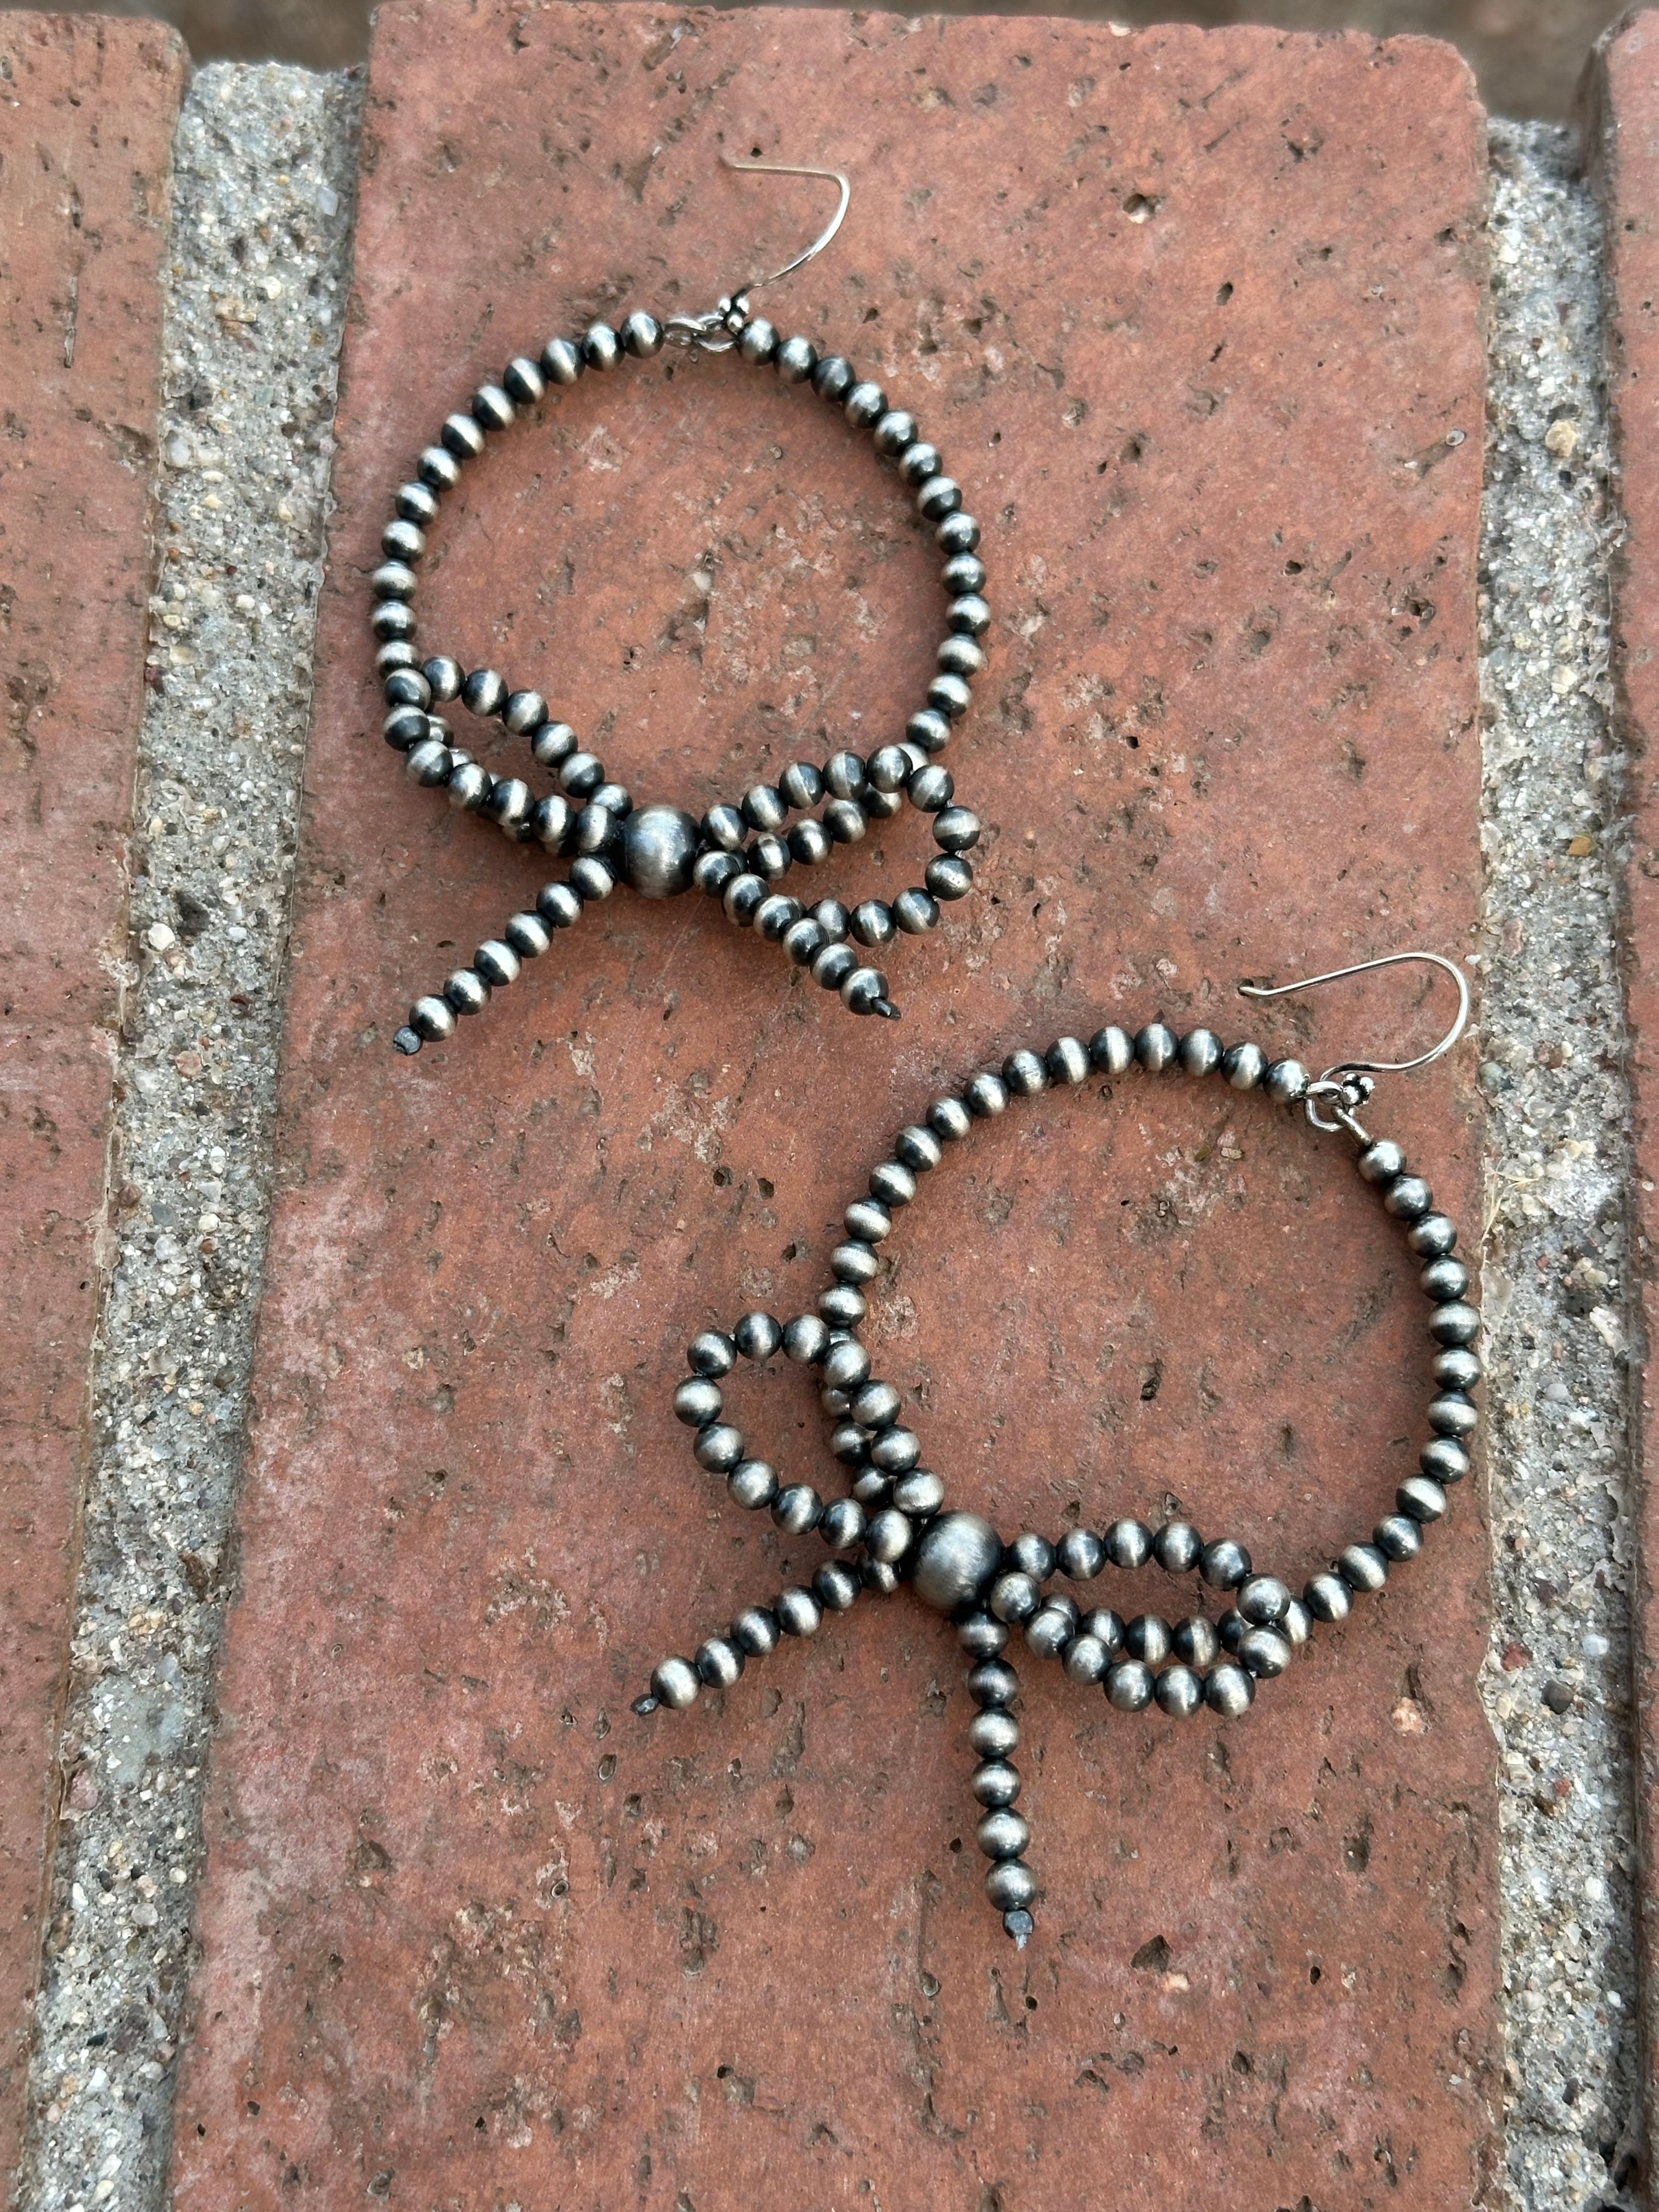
point(711, 1354)
point(1200, 1052)
point(876, 1575)
point(392, 619)
point(955, 829)
point(842, 1524)
point(437, 467)
point(718, 1662)
point(1454, 1323)
point(562, 362)
point(1408, 1198)
point(1286, 1081)
point(523, 712)
point(463, 436)
point(994, 1735)
point(1014, 1597)
point(995, 1783)
point(406, 727)
point(1363, 1567)
point(558, 905)
point(601, 347)
point(755, 1631)
point(956, 1560)
point(889, 1536)
point(1156, 1046)
point(1002, 1835)
point(1081, 1554)
point(1034, 1555)
point(920, 1493)
point(642, 335)
point(433, 1019)
point(846, 1365)
point(1130, 1686)
point(865, 991)
point(1176, 1547)
point(751, 1484)
point(1147, 1637)
point(484, 693)
point(393, 580)
point(466, 991)
point(1425, 1500)
point(1049, 1630)
point(918, 1149)
point(805, 1339)
point(1011, 1885)
point(1243, 1066)
point(719, 1447)
point(1195, 1642)
point(969, 616)
point(981, 1637)
point(1128, 1544)
point(1456, 1368)
point(876, 1404)
point(1398, 1538)
point(1433, 1237)
point(492, 408)
point(428, 763)
point(986, 1095)
point(873, 922)
point(864, 405)
point(1111, 1051)
point(528, 935)
point(508, 805)
point(949, 876)
point(590, 878)
point(796, 360)
point(1229, 1690)
point(1452, 1414)
point(950, 1118)
point(1025, 1074)
point(867, 1221)
point(796, 1509)
point(992, 1684)
point(1106, 1628)
point(1067, 1061)
point(757, 1336)
point(674, 1683)
point(496, 962)
point(524, 381)
point(1296, 1623)
point(1265, 1652)
point(938, 496)
point(553, 744)
point(395, 652)
point(930, 732)
point(836, 1587)
point(894, 431)
point(1381, 1163)
point(841, 1306)
point(799, 1613)
point(1444, 1279)
point(1328, 1597)
point(1225, 1564)
point(659, 848)
point(1086, 1658)
point(1262, 1600)
point(698, 1402)
point(892, 1184)
point(1179, 1692)
point(834, 378)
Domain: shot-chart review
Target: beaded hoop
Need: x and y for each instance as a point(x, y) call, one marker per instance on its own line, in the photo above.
point(740, 851)
point(894, 1524)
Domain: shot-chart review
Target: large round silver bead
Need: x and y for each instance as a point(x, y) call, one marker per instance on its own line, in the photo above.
point(956, 1560)
point(659, 844)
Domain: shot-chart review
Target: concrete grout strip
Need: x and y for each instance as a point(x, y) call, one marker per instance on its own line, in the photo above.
point(258, 277)
point(1558, 1161)
point(260, 268)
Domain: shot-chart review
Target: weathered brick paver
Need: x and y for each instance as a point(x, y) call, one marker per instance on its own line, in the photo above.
point(87, 112)
point(1197, 320)
point(1622, 117)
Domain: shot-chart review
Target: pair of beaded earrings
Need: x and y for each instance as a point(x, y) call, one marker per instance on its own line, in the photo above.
point(893, 1524)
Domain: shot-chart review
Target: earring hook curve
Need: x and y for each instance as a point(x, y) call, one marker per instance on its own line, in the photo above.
point(1363, 968)
point(795, 169)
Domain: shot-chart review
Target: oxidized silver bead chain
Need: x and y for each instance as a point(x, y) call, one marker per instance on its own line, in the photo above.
point(894, 1524)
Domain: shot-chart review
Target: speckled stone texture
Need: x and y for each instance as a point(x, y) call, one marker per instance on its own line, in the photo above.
point(1622, 105)
point(87, 110)
point(1197, 320)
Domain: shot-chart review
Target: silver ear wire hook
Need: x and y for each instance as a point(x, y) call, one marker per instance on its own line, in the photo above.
point(824, 238)
point(716, 331)
point(1347, 1082)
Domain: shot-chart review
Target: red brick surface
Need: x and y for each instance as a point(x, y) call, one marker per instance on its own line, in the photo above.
point(1198, 321)
point(1622, 94)
point(87, 113)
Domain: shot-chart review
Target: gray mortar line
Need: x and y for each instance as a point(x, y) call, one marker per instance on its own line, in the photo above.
point(256, 281)
point(1558, 1158)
